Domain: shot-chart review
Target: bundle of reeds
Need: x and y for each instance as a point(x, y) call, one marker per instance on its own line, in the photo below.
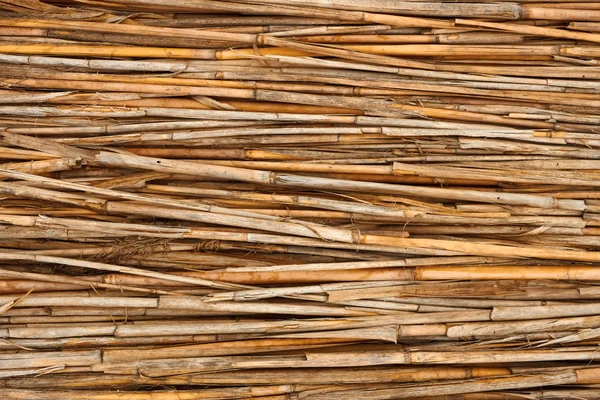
point(299, 199)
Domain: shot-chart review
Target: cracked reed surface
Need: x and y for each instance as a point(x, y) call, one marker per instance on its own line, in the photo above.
point(299, 199)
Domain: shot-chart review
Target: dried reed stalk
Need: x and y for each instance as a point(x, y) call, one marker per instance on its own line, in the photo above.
point(292, 199)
